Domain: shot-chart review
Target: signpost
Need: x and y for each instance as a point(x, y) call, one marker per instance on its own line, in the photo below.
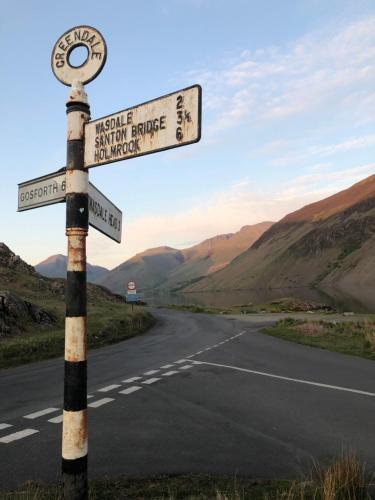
point(132, 293)
point(167, 122)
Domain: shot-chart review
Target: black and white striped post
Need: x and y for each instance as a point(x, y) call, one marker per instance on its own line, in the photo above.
point(74, 435)
point(74, 439)
point(170, 121)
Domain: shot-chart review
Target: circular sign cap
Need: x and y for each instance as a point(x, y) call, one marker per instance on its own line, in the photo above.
point(79, 36)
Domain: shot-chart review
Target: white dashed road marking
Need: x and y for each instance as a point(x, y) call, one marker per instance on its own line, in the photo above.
point(109, 388)
point(56, 420)
point(40, 413)
point(17, 435)
point(130, 390)
point(168, 374)
point(289, 379)
point(100, 402)
point(129, 380)
point(150, 381)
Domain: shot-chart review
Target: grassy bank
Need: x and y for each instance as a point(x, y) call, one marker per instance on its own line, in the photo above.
point(108, 322)
point(353, 337)
point(345, 479)
point(110, 319)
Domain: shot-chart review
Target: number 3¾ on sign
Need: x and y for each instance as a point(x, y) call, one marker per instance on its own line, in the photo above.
point(182, 115)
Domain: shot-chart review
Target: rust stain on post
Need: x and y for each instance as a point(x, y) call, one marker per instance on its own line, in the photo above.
point(75, 338)
point(74, 434)
point(76, 252)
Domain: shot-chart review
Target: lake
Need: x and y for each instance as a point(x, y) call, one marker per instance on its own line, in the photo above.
point(360, 303)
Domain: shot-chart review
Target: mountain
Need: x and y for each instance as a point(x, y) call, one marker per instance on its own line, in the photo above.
point(55, 267)
point(213, 254)
point(327, 243)
point(165, 268)
point(29, 302)
point(148, 269)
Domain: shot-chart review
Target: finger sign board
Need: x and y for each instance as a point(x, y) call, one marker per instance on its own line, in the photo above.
point(167, 122)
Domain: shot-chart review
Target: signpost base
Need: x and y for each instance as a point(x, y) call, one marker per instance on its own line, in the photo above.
point(75, 486)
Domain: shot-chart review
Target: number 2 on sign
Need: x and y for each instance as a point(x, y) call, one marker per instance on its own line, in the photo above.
point(180, 117)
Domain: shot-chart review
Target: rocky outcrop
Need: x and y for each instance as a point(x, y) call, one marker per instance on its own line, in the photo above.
point(15, 312)
point(10, 260)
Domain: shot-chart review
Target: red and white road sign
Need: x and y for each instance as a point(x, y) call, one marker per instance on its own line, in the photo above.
point(131, 285)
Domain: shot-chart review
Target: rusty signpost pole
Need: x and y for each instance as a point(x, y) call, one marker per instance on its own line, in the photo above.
point(74, 436)
point(74, 440)
point(167, 122)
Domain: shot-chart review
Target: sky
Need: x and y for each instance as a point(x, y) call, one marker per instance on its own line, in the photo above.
point(288, 113)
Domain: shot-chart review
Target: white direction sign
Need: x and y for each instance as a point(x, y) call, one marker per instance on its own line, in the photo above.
point(167, 122)
point(41, 191)
point(103, 214)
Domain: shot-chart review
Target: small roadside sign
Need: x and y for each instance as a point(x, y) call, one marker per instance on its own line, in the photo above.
point(131, 295)
point(132, 298)
point(166, 122)
point(41, 191)
point(131, 285)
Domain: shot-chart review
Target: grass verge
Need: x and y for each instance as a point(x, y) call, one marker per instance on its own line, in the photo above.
point(108, 322)
point(285, 305)
point(345, 479)
point(352, 337)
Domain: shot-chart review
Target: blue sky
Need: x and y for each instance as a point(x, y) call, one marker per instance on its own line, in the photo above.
point(288, 113)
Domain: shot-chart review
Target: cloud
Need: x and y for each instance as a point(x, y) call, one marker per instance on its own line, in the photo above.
point(350, 144)
point(322, 69)
point(226, 211)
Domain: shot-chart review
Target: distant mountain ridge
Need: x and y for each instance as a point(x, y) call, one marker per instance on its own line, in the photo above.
point(55, 267)
point(28, 299)
point(327, 243)
point(166, 268)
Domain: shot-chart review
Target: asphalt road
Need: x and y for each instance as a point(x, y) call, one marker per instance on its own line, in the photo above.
point(199, 393)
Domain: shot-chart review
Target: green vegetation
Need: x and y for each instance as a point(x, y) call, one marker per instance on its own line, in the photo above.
point(285, 305)
point(110, 319)
point(345, 479)
point(192, 487)
point(352, 337)
point(108, 322)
